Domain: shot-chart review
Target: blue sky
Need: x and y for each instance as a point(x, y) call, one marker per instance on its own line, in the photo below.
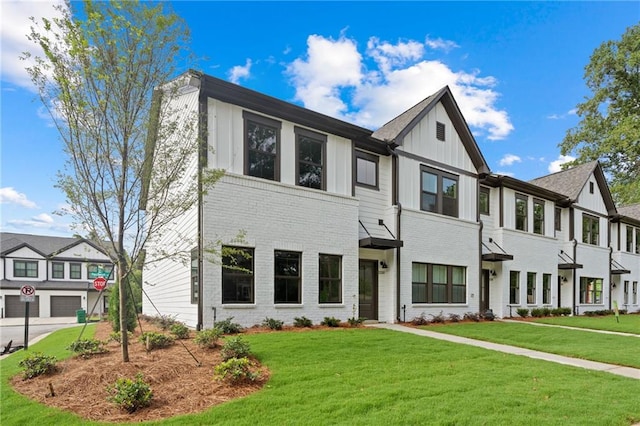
point(515, 68)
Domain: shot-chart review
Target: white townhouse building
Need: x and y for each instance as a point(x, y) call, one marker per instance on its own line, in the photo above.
point(625, 257)
point(61, 270)
point(341, 221)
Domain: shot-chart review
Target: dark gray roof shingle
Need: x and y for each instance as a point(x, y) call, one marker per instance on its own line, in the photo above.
point(632, 211)
point(45, 245)
point(393, 128)
point(568, 182)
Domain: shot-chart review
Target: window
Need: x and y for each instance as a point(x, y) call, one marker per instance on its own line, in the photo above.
point(330, 279)
point(521, 212)
point(310, 151)
point(439, 192)
point(287, 277)
point(590, 290)
point(558, 219)
point(237, 275)
point(366, 169)
point(25, 269)
point(57, 270)
point(262, 146)
point(590, 187)
point(514, 287)
point(637, 240)
point(195, 288)
point(538, 217)
point(626, 292)
point(440, 131)
point(438, 283)
point(629, 239)
point(590, 229)
point(634, 293)
point(546, 289)
point(484, 200)
point(75, 271)
point(531, 288)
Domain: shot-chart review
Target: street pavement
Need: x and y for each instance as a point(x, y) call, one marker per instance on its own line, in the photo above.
point(12, 329)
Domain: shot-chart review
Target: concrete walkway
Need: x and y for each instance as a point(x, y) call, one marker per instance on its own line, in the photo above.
point(592, 330)
point(633, 373)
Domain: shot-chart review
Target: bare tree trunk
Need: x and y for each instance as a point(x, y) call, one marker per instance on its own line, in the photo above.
point(124, 333)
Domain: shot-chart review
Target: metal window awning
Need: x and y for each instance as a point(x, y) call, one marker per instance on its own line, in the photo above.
point(379, 243)
point(618, 269)
point(492, 252)
point(567, 262)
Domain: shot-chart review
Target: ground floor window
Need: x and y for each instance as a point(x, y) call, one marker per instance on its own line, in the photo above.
point(237, 275)
point(432, 283)
point(590, 290)
point(288, 277)
point(531, 288)
point(330, 282)
point(514, 287)
point(546, 289)
point(635, 292)
point(626, 292)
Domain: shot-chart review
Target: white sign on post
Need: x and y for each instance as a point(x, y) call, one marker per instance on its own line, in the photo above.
point(27, 293)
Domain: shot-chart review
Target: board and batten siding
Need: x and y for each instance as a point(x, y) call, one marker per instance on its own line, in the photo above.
point(167, 282)
point(375, 203)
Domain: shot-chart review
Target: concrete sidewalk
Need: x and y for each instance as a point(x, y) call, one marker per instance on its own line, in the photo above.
point(633, 373)
point(8, 322)
point(592, 330)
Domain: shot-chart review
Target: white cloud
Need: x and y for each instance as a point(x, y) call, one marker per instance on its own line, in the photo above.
point(510, 174)
point(555, 166)
point(240, 71)
point(10, 196)
point(440, 44)
point(509, 159)
point(562, 116)
point(15, 25)
point(333, 79)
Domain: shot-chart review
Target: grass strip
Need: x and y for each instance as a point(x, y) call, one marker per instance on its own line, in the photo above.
point(626, 323)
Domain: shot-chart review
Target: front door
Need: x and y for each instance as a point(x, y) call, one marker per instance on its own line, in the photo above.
point(484, 291)
point(368, 279)
point(559, 292)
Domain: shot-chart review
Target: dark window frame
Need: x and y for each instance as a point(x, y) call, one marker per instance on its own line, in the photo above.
point(546, 289)
point(532, 288)
point(629, 236)
point(485, 208)
point(440, 196)
point(238, 265)
point(589, 225)
point(195, 288)
point(591, 188)
point(25, 268)
point(314, 137)
point(428, 287)
point(375, 160)
point(524, 218)
point(591, 296)
point(558, 219)
point(282, 282)
point(626, 292)
point(259, 120)
point(56, 273)
point(75, 271)
point(514, 287)
point(329, 287)
point(637, 240)
point(538, 216)
point(441, 131)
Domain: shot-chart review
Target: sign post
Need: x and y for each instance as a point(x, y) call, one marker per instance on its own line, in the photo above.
point(27, 295)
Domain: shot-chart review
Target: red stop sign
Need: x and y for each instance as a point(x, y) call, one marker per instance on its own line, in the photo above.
point(100, 283)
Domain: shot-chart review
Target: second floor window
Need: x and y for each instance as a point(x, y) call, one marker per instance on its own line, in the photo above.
point(310, 149)
point(366, 170)
point(558, 219)
point(57, 270)
point(590, 229)
point(439, 192)
point(637, 240)
point(262, 146)
point(538, 217)
point(25, 269)
point(75, 271)
point(521, 213)
point(484, 200)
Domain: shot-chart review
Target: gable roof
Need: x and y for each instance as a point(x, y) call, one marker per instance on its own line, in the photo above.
point(44, 245)
point(395, 130)
point(630, 213)
point(570, 182)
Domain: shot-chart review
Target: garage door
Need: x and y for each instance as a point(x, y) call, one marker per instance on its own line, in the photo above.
point(65, 306)
point(14, 308)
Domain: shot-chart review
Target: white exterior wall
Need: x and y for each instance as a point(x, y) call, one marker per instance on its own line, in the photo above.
point(277, 216)
point(631, 262)
point(433, 238)
point(595, 261)
point(375, 204)
point(25, 254)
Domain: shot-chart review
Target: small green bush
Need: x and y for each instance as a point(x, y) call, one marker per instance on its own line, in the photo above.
point(179, 330)
point(130, 395)
point(523, 312)
point(116, 336)
point(272, 323)
point(537, 313)
point(208, 338)
point(154, 340)
point(330, 322)
point(87, 347)
point(37, 364)
point(546, 312)
point(235, 347)
point(228, 326)
point(235, 370)
point(355, 322)
point(302, 322)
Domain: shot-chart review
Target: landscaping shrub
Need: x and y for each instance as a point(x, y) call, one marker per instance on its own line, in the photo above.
point(154, 340)
point(114, 310)
point(546, 312)
point(165, 322)
point(235, 347)
point(179, 330)
point(302, 322)
point(330, 322)
point(355, 322)
point(37, 364)
point(87, 347)
point(471, 316)
point(272, 323)
point(235, 370)
point(438, 319)
point(454, 317)
point(208, 338)
point(420, 320)
point(228, 326)
point(116, 336)
point(557, 312)
point(523, 312)
point(130, 394)
point(536, 313)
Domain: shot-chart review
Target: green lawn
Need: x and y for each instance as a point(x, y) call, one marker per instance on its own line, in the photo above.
point(382, 377)
point(613, 349)
point(627, 324)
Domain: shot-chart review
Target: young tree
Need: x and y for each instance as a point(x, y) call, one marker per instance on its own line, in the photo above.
point(100, 67)
point(610, 126)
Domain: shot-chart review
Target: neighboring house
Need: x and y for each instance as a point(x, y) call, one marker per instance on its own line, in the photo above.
point(62, 271)
point(625, 257)
point(341, 221)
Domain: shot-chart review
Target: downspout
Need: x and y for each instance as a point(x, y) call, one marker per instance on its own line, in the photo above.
point(576, 288)
point(395, 196)
point(480, 264)
point(202, 163)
